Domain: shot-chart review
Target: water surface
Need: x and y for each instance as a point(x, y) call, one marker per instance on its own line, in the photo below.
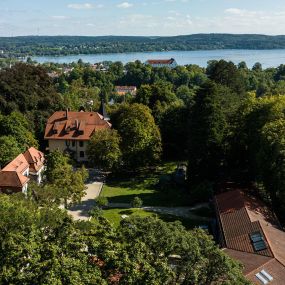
point(268, 58)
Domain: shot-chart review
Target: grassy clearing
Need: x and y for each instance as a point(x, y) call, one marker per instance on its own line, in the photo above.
point(115, 217)
point(145, 186)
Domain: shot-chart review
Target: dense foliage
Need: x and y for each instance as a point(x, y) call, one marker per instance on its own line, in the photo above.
point(43, 245)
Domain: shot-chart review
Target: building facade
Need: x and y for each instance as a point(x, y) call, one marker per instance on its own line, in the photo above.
point(123, 90)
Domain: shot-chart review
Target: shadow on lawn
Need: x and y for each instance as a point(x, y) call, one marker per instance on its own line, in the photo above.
point(188, 223)
point(157, 198)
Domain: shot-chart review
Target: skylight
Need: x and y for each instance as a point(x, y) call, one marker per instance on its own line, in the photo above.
point(264, 277)
point(258, 241)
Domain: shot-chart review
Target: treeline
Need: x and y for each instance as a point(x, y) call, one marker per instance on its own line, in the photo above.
point(66, 45)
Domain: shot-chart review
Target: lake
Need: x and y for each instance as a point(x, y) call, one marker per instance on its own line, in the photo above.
point(268, 58)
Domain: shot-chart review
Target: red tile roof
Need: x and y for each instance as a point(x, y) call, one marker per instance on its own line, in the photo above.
point(241, 215)
point(12, 179)
point(11, 176)
point(35, 158)
point(74, 125)
point(161, 61)
point(19, 164)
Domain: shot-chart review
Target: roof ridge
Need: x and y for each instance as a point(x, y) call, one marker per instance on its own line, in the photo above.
point(268, 261)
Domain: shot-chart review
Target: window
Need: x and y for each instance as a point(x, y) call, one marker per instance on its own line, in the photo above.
point(81, 144)
point(81, 154)
point(73, 143)
point(258, 241)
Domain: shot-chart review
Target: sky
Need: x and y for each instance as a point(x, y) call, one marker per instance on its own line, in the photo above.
point(140, 17)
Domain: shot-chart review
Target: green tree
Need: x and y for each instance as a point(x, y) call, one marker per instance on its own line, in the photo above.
point(50, 248)
point(141, 141)
point(18, 126)
point(46, 243)
point(227, 74)
point(104, 149)
point(200, 260)
point(271, 162)
point(207, 130)
point(9, 149)
point(186, 94)
point(137, 202)
point(68, 182)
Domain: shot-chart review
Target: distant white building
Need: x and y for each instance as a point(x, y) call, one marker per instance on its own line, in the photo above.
point(171, 63)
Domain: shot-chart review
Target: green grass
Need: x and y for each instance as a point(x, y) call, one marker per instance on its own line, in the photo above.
point(115, 216)
point(144, 185)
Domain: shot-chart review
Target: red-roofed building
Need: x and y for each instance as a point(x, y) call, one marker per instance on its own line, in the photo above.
point(14, 177)
point(251, 234)
point(171, 63)
point(123, 90)
point(36, 159)
point(71, 131)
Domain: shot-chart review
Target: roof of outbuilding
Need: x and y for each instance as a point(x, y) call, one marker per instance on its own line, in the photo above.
point(241, 215)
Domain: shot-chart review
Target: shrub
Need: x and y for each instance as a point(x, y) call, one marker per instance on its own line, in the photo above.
point(96, 212)
point(102, 202)
point(137, 202)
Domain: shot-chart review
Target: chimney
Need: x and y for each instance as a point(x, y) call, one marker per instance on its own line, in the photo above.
point(76, 124)
point(66, 113)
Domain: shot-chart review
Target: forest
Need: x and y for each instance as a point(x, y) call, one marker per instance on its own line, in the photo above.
point(226, 121)
point(67, 45)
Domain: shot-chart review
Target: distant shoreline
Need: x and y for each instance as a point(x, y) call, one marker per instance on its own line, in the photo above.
point(75, 45)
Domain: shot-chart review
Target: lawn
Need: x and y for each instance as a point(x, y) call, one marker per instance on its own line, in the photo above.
point(123, 189)
point(115, 216)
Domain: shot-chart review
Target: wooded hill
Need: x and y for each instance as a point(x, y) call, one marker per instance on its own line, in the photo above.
point(66, 45)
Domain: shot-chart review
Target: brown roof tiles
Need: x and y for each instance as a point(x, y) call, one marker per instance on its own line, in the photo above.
point(239, 217)
point(74, 125)
point(35, 158)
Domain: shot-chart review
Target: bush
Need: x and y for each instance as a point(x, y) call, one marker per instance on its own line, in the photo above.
point(102, 202)
point(137, 202)
point(96, 212)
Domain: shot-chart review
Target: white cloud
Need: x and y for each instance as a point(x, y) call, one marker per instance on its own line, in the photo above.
point(125, 5)
point(83, 6)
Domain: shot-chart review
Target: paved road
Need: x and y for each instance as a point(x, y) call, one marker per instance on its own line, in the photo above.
point(80, 211)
